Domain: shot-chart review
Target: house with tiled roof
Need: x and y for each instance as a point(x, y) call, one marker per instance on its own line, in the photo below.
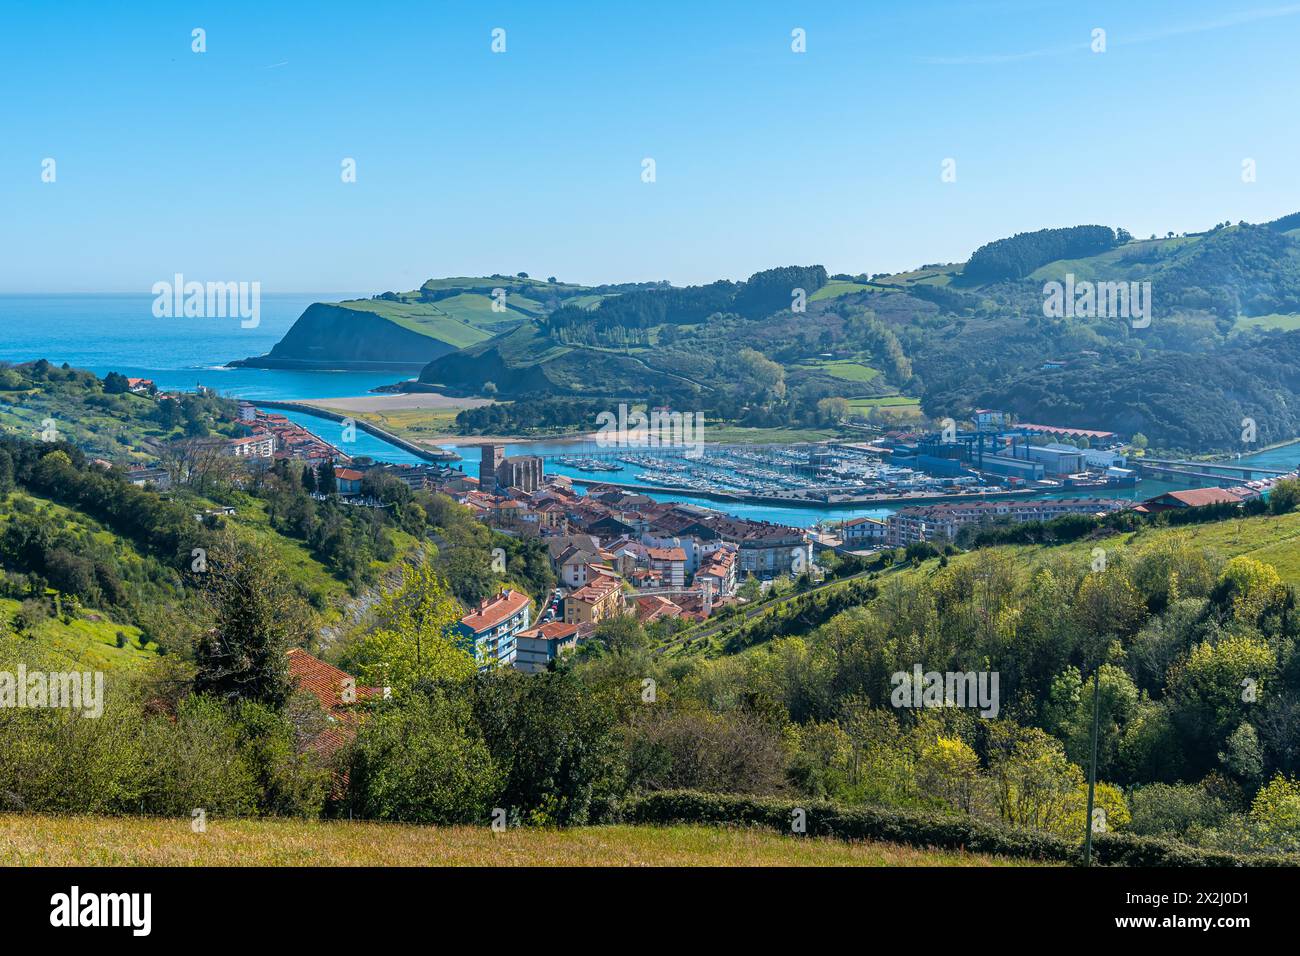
point(260, 445)
point(718, 570)
point(864, 532)
point(492, 627)
point(339, 696)
point(349, 480)
point(576, 567)
point(600, 598)
point(670, 563)
point(538, 646)
point(653, 607)
point(1193, 498)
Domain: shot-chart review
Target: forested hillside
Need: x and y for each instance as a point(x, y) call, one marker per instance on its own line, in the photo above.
point(793, 346)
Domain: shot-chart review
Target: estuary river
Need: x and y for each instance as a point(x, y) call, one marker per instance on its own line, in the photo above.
point(118, 332)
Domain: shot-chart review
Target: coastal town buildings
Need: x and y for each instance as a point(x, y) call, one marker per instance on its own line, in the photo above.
point(537, 647)
point(942, 521)
point(259, 445)
point(493, 626)
point(600, 598)
point(864, 533)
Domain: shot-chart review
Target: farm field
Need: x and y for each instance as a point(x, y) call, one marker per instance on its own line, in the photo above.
point(44, 840)
point(1281, 323)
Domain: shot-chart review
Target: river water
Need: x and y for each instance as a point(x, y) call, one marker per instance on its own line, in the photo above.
point(118, 332)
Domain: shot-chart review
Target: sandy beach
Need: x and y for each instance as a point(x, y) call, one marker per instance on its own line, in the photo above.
point(397, 401)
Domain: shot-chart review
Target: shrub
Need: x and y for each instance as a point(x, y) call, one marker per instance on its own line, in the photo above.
point(928, 830)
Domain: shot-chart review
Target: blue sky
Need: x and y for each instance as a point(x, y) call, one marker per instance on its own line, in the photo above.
point(225, 165)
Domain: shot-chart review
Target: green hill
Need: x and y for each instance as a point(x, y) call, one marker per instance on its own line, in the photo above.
point(1221, 342)
point(406, 330)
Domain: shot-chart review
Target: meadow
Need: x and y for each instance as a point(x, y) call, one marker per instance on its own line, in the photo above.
point(45, 840)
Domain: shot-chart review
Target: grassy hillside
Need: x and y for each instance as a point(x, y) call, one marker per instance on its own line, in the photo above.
point(42, 401)
point(38, 840)
point(408, 329)
point(86, 640)
point(1221, 342)
point(1273, 539)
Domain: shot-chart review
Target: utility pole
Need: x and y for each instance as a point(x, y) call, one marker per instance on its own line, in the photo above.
point(1092, 769)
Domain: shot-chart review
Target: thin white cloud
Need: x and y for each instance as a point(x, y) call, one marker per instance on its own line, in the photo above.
point(1220, 23)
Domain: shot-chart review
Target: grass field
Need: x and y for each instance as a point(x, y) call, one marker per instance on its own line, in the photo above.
point(419, 425)
point(119, 432)
point(884, 401)
point(838, 287)
point(849, 370)
point(1282, 323)
point(738, 434)
point(87, 641)
point(41, 840)
point(457, 324)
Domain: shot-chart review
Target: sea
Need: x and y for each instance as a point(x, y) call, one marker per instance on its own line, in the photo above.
point(119, 332)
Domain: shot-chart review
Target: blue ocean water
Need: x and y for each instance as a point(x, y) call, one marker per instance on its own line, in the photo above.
point(119, 333)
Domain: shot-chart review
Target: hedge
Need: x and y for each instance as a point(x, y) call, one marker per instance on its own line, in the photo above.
point(923, 829)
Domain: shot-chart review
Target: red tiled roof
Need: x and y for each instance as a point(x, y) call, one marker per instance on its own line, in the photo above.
point(1199, 497)
point(552, 631)
point(326, 683)
point(666, 554)
point(651, 607)
point(1055, 430)
point(596, 589)
point(349, 474)
point(493, 611)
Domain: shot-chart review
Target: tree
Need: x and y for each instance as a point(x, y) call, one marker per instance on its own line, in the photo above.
point(554, 741)
point(766, 377)
point(6, 473)
point(948, 769)
point(1284, 496)
point(1275, 812)
point(1250, 587)
point(1068, 714)
point(308, 479)
point(423, 761)
point(115, 383)
point(1209, 695)
point(833, 410)
point(326, 482)
point(1034, 782)
point(256, 616)
point(414, 639)
point(621, 632)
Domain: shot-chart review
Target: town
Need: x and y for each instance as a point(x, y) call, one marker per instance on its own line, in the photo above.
point(617, 551)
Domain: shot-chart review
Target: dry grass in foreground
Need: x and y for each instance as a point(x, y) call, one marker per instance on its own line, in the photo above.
point(42, 840)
